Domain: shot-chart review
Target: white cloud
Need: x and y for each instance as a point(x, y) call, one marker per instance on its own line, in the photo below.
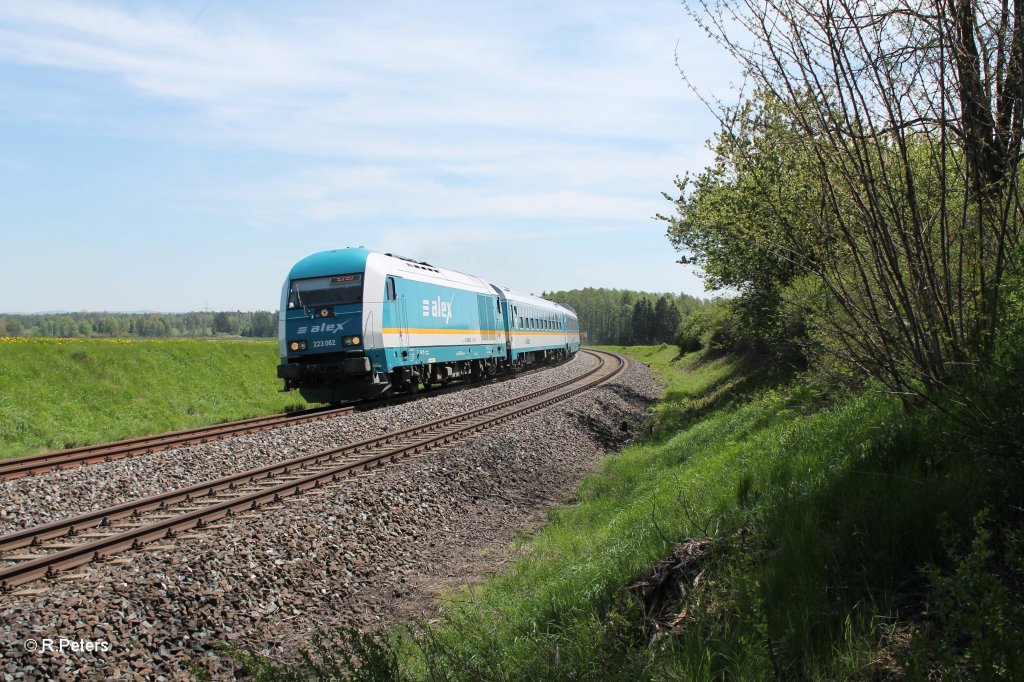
point(309, 80)
point(322, 115)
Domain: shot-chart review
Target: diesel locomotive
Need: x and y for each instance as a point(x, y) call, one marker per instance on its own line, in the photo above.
point(358, 324)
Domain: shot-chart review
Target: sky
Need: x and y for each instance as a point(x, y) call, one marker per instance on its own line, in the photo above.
point(182, 155)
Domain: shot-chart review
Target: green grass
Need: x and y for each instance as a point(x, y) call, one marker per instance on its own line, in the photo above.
point(694, 385)
point(819, 516)
point(57, 393)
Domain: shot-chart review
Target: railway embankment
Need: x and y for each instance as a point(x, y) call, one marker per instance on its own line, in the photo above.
point(61, 393)
point(761, 529)
point(376, 549)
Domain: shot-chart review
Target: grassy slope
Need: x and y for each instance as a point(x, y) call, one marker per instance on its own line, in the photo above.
point(709, 479)
point(58, 393)
point(819, 518)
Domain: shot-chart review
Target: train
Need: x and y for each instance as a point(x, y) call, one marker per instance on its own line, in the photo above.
point(356, 324)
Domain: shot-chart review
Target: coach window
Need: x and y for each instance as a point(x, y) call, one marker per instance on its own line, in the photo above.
point(392, 295)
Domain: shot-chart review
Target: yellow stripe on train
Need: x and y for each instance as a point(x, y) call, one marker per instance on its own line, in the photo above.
point(525, 332)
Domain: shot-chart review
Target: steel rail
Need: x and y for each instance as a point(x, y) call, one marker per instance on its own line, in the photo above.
point(27, 465)
point(478, 419)
point(18, 467)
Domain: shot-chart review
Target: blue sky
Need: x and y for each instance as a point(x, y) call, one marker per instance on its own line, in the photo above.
point(176, 155)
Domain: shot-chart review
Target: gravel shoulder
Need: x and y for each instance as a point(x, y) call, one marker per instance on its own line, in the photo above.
point(374, 551)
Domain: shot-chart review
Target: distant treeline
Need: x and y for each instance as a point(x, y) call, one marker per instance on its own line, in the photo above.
point(622, 317)
point(608, 316)
point(144, 325)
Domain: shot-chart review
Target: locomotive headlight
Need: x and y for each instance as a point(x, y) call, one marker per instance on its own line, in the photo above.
point(297, 345)
point(355, 340)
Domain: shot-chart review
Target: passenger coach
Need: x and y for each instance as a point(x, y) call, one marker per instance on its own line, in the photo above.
point(538, 330)
point(358, 324)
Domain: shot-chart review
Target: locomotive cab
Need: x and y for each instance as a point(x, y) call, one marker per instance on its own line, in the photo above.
point(321, 340)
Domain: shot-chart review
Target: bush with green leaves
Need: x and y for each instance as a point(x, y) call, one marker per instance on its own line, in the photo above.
point(717, 328)
point(978, 619)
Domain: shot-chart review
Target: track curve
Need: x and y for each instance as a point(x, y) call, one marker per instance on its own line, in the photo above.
point(54, 547)
point(30, 465)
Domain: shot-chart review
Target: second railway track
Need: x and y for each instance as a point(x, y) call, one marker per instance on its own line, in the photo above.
point(49, 549)
point(29, 465)
point(18, 467)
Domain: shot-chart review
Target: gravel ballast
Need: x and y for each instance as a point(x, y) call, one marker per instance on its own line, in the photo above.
point(374, 550)
point(35, 500)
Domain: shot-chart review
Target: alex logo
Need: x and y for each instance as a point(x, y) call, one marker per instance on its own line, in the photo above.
point(438, 308)
point(333, 327)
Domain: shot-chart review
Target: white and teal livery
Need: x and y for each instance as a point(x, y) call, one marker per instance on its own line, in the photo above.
point(358, 324)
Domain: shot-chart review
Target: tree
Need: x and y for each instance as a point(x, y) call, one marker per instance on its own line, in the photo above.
point(227, 323)
point(261, 324)
point(905, 118)
point(666, 320)
point(608, 315)
point(643, 322)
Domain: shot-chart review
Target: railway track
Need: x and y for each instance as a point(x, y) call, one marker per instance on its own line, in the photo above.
point(52, 548)
point(29, 465)
point(105, 452)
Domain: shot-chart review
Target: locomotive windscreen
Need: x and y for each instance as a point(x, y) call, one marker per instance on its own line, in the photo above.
point(333, 290)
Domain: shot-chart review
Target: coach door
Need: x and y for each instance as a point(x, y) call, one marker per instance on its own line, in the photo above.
point(394, 311)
